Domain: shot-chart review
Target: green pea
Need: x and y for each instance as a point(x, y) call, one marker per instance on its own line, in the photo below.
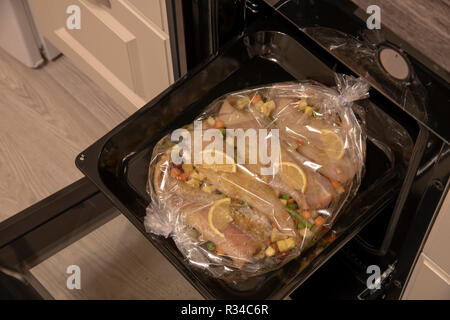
point(291, 206)
point(211, 246)
point(285, 197)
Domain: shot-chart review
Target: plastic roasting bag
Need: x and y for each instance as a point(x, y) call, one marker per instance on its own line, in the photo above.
point(259, 177)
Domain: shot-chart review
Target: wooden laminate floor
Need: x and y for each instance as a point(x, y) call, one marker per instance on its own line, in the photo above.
point(48, 116)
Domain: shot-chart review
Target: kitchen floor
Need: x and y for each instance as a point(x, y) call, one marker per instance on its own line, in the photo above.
point(48, 116)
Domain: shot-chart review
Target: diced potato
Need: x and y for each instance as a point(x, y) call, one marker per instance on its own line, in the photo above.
point(276, 235)
point(302, 104)
point(266, 108)
point(340, 190)
point(197, 175)
point(208, 188)
point(281, 246)
point(290, 242)
point(188, 168)
point(285, 245)
point(306, 233)
point(261, 254)
point(308, 110)
point(270, 251)
point(284, 201)
point(258, 105)
point(270, 105)
point(211, 122)
point(242, 103)
point(193, 183)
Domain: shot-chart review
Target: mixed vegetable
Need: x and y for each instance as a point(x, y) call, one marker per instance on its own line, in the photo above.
point(309, 222)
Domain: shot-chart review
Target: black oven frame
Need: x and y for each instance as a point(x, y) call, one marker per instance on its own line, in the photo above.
point(40, 231)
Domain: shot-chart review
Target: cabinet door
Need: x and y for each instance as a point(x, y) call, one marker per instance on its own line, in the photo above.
point(126, 54)
point(437, 243)
point(428, 282)
point(154, 10)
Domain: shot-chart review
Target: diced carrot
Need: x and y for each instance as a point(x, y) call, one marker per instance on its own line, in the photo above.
point(273, 225)
point(184, 176)
point(220, 251)
point(324, 230)
point(319, 221)
point(219, 124)
point(291, 200)
point(331, 238)
point(299, 142)
point(257, 98)
point(335, 183)
point(306, 214)
point(175, 172)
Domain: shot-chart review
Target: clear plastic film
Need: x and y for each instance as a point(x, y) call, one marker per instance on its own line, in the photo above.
point(260, 176)
point(363, 56)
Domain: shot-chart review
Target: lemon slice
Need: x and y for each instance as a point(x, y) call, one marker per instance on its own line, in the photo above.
point(293, 176)
point(226, 163)
point(334, 147)
point(219, 215)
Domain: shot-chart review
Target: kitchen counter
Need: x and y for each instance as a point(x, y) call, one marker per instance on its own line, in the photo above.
point(423, 24)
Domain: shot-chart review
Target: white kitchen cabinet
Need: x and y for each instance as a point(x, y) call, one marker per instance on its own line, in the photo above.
point(427, 282)
point(123, 45)
point(437, 243)
point(430, 276)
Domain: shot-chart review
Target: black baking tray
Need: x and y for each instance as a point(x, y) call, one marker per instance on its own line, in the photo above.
point(118, 162)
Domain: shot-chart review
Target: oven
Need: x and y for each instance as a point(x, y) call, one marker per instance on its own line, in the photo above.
point(407, 163)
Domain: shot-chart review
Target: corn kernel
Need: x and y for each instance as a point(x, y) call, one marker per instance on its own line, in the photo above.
point(270, 251)
point(277, 235)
